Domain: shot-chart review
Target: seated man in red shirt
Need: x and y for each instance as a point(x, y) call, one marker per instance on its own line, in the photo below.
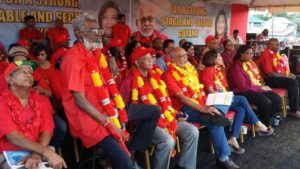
point(92, 102)
point(121, 30)
point(30, 33)
point(187, 95)
point(144, 86)
point(26, 118)
point(57, 31)
point(276, 73)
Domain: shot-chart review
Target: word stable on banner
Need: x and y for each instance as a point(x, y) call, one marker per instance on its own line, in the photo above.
point(188, 21)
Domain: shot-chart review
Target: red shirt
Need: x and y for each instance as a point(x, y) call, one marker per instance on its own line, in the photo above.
point(60, 52)
point(3, 66)
point(265, 62)
point(52, 77)
point(77, 78)
point(8, 124)
point(30, 33)
point(54, 32)
point(206, 77)
point(154, 35)
point(173, 89)
point(122, 32)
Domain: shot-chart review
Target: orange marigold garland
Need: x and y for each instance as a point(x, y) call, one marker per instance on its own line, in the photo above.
point(143, 92)
point(187, 80)
point(104, 96)
point(220, 80)
point(252, 71)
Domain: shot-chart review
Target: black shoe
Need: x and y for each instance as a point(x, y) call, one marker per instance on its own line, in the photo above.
point(217, 120)
point(228, 164)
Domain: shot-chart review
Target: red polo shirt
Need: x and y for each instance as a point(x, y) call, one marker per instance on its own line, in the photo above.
point(52, 76)
point(76, 77)
point(265, 62)
point(28, 33)
point(173, 89)
point(8, 124)
point(122, 32)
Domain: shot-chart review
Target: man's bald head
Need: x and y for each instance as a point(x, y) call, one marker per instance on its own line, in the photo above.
point(273, 44)
point(179, 56)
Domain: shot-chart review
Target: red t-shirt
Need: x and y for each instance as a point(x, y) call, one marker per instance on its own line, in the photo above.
point(76, 77)
point(54, 32)
point(28, 33)
point(173, 89)
point(9, 124)
point(60, 52)
point(52, 77)
point(121, 32)
point(265, 62)
point(206, 77)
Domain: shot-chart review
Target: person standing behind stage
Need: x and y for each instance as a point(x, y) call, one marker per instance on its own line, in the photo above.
point(57, 31)
point(121, 30)
point(30, 33)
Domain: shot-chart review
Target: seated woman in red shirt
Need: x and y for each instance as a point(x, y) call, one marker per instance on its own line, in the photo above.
point(244, 78)
point(214, 79)
point(47, 71)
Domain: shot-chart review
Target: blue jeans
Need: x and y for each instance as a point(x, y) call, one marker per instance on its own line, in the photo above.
point(217, 133)
point(242, 110)
point(60, 129)
point(164, 145)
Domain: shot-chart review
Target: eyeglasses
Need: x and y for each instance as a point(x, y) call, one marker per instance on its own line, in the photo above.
point(95, 31)
point(145, 19)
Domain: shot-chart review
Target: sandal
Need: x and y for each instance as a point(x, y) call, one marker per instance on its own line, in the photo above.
point(236, 150)
point(269, 132)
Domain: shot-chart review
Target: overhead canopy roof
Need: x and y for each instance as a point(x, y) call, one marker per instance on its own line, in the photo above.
point(276, 5)
point(270, 5)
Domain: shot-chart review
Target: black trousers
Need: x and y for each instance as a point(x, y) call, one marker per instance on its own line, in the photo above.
point(289, 84)
point(147, 117)
point(268, 103)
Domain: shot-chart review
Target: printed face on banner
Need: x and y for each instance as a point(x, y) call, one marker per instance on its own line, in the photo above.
point(146, 19)
point(192, 20)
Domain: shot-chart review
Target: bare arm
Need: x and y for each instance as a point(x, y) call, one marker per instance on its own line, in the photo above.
point(20, 141)
point(53, 159)
point(274, 74)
